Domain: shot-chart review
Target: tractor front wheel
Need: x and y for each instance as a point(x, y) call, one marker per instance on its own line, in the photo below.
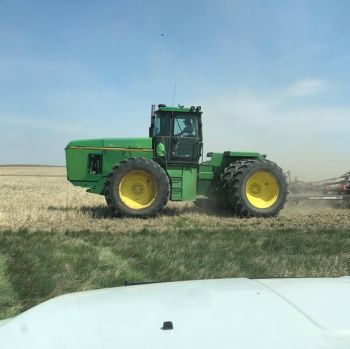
point(254, 188)
point(137, 187)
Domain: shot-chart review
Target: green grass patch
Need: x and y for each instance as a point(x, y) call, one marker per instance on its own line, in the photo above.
point(38, 266)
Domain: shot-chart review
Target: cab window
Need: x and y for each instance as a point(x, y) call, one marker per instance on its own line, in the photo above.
point(185, 126)
point(161, 125)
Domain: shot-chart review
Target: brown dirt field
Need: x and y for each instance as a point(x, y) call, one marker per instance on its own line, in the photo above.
point(39, 198)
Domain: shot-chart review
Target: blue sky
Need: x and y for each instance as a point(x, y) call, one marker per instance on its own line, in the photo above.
point(271, 76)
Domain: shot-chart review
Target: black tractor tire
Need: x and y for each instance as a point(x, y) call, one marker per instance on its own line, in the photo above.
point(222, 196)
point(137, 187)
point(236, 189)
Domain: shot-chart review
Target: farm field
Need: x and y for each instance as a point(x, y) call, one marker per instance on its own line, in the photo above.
point(56, 238)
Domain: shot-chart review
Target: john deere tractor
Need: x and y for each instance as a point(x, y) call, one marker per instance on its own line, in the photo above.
point(138, 176)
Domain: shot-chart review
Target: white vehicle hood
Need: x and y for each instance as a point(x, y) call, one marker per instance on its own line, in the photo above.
point(226, 313)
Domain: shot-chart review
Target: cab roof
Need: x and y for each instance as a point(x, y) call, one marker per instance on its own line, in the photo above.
point(179, 108)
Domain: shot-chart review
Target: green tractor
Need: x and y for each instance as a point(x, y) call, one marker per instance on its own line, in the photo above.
point(138, 176)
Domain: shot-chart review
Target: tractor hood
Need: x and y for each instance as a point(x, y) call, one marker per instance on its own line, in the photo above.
point(226, 313)
point(129, 143)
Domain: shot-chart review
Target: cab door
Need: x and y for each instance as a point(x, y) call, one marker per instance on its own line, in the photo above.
point(185, 140)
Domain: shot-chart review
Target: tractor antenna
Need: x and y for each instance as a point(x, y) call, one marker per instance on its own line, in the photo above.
point(174, 93)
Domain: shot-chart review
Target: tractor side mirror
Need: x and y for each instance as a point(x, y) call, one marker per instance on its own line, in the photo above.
point(150, 131)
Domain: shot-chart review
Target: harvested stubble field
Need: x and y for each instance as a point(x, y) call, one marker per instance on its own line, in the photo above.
point(55, 238)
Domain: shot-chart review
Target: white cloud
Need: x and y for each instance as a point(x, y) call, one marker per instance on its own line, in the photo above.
point(26, 122)
point(306, 87)
point(66, 128)
point(308, 139)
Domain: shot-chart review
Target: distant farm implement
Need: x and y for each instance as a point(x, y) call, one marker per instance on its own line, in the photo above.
point(333, 189)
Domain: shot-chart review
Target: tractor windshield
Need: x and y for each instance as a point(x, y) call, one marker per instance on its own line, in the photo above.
point(185, 126)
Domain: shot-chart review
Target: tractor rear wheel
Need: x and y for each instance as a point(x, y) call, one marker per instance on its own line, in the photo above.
point(254, 188)
point(137, 187)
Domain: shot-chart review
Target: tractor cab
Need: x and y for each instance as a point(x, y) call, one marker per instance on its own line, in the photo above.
point(176, 134)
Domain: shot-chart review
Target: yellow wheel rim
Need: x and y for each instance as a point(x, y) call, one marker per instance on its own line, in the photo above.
point(262, 189)
point(137, 189)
